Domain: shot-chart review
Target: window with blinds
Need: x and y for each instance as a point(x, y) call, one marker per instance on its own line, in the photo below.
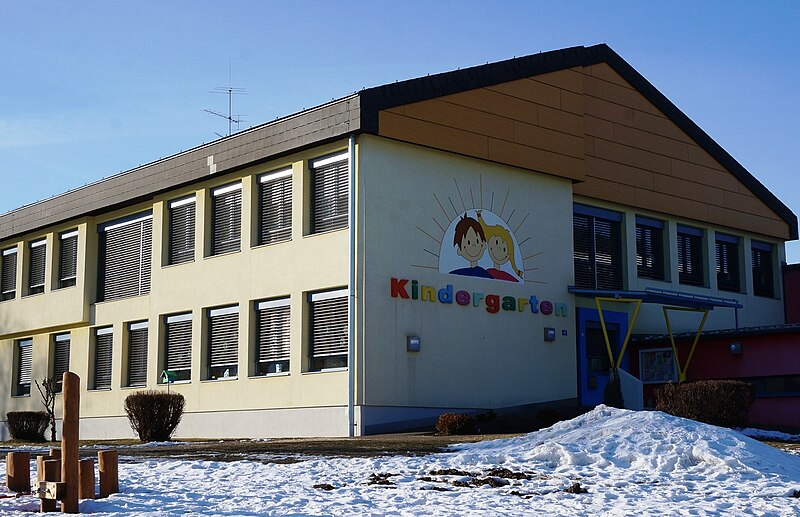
point(727, 252)
point(181, 230)
point(37, 259)
point(103, 348)
point(328, 328)
point(61, 344)
point(68, 259)
point(226, 219)
point(763, 279)
point(125, 257)
point(329, 193)
point(8, 274)
point(23, 370)
point(598, 259)
point(223, 342)
point(178, 345)
point(137, 354)
point(650, 248)
point(275, 207)
point(691, 264)
point(272, 336)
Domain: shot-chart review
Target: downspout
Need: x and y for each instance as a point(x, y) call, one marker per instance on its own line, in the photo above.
point(351, 283)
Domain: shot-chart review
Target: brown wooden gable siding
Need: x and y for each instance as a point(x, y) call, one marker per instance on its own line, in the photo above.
point(587, 124)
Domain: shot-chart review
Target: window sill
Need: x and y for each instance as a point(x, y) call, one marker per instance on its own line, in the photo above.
point(281, 374)
point(175, 382)
point(64, 288)
point(273, 243)
point(167, 266)
point(99, 389)
point(138, 387)
point(221, 379)
point(327, 370)
point(20, 396)
point(223, 254)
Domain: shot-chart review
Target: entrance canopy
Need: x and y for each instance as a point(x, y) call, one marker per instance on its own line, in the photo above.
point(669, 301)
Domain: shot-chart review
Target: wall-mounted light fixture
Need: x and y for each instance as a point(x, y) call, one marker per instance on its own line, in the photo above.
point(549, 334)
point(735, 348)
point(412, 343)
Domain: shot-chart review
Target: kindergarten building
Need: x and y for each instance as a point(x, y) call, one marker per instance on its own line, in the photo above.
point(433, 245)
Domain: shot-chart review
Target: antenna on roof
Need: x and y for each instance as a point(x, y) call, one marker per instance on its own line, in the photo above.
point(230, 91)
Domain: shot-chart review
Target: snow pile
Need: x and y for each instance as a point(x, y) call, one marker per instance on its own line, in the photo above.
point(608, 461)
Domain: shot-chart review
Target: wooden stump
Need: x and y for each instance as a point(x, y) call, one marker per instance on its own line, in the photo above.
point(55, 453)
point(51, 471)
point(40, 468)
point(109, 476)
point(18, 471)
point(69, 441)
point(86, 475)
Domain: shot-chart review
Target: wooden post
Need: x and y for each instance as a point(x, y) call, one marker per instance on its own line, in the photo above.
point(40, 468)
point(86, 474)
point(69, 441)
point(55, 453)
point(18, 471)
point(109, 477)
point(51, 471)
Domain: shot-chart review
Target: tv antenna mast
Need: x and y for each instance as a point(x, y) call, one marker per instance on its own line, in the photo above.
point(230, 91)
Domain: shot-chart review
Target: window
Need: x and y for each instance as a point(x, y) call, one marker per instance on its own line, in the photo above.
point(223, 342)
point(68, 259)
point(37, 261)
point(329, 193)
point(597, 237)
point(8, 276)
point(125, 257)
point(328, 326)
point(226, 219)
point(691, 269)
point(650, 248)
point(275, 207)
point(24, 354)
point(727, 251)
point(763, 280)
point(181, 230)
point(61, 344)
point(103, 347)
point(137, 354)
point(776, 386)
point(272, 336)
point(178, 345)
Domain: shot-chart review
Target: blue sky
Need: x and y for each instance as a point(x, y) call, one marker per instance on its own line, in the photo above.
point(93, 88)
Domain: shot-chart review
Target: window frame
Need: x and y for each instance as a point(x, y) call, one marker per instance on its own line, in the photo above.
point(109, 287)
point(728, 263)
point(61, 354)
point(588, 271)
point(762, 259)
point(226, 357)
point(230, 217)
point(23, 367)
point(67, 259)
point(8, 273)
point(181, 230)
point(275, 217)
point(275, 360)
point(178, 346)
point(330, 192)
point(37, 266)
point(650, 249)
point(324, 304)
point(138, 333)
point(99, 381)
point(691, 256)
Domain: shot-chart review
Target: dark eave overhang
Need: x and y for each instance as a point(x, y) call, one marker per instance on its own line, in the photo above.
point(354, 114)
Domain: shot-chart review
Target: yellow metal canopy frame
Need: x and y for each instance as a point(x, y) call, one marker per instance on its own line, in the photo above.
point(616, 362)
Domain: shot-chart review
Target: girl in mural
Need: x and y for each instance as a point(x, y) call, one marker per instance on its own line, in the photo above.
point(501, 250)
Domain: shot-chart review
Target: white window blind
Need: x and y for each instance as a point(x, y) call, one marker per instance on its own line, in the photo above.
point(103, 348)
point(226, 219)
point(125, 258)
point(275, 207)
point(329, 339)
point(223, 342)
point(178, 345)
point(24, 360)
point(37, 253)
point(68, 259)
point(61, 358)
point(272, 329)
point(181, 230)
point(329, 193)
point(137, 354)
point(8, 274)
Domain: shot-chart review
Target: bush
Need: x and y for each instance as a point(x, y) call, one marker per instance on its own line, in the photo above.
point(154, 415)
point(718, 402)
point(28, 426)
point(455, 423)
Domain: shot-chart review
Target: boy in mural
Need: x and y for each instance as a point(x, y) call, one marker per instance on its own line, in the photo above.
point(501, 250)
point(470, 242)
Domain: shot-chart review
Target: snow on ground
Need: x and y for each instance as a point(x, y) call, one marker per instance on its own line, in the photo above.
point(630, 463)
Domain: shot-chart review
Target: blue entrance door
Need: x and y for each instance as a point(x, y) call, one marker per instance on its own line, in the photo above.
point(593, 360)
